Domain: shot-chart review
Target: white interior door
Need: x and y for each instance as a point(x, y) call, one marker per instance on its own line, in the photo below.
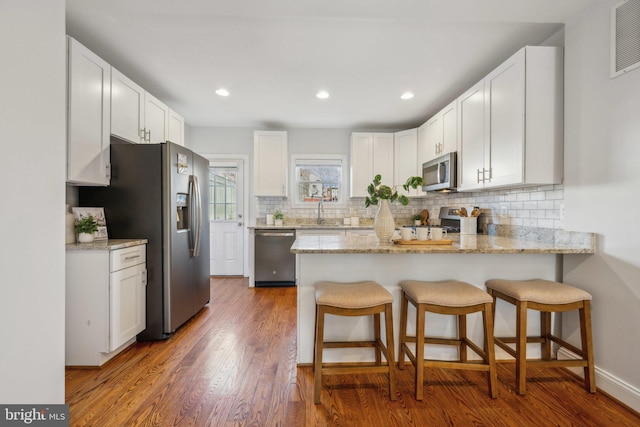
point(226, 213)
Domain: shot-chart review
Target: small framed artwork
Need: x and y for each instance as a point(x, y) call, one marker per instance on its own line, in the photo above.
point(183, 165)
point(98, 216)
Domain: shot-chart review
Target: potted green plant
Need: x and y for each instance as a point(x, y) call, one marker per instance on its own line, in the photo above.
point(278, 217)
point(85, 227)
point(417, 219)
point(383, 223)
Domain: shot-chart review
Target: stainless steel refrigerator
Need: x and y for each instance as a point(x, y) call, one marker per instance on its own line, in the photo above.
point(160, 192)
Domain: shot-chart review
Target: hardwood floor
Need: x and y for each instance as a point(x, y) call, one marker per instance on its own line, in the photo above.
point(234, 364)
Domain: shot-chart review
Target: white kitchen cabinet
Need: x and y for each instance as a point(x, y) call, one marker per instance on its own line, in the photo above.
point(176, 128)
point(105, 301)
point(127, 107)
point(438, 136)
point(270, 163)
point(88, 116)
point(156, 120)
point(522, 131)
point(471, 137)
point(405, 160)
point(370, 154)
point(136, 115)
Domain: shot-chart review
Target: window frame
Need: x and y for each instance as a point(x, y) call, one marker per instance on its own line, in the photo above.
point(340, 159)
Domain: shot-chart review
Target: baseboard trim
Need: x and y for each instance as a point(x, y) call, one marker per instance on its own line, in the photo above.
point(625, 393)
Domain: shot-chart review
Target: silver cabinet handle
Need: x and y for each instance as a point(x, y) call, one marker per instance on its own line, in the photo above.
point(478, 176)
point(129, 258)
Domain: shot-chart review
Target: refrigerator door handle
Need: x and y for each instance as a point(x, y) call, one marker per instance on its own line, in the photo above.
point(192, 208)
point(198, 215)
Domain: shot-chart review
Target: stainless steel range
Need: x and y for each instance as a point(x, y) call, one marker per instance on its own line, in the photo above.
point(450, 220)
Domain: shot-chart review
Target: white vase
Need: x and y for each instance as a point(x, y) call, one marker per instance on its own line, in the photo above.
point(383, 224)
point(278, 222)
point(85, 237)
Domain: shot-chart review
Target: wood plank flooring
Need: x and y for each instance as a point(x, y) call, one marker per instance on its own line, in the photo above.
point(234, 364)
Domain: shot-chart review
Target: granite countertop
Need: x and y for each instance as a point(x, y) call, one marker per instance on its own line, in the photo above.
point(478, 244)
point(105, 245)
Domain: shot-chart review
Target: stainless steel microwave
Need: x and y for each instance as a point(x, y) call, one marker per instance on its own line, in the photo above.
point(440, 174)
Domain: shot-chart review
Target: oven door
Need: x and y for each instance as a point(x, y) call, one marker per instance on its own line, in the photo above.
point(439, 174)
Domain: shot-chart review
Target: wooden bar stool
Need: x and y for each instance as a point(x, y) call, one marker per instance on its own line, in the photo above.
point(354, 299)
point(453, 298)
point(546, 297)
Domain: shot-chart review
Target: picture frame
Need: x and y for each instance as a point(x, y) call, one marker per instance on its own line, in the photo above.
point(98, 216)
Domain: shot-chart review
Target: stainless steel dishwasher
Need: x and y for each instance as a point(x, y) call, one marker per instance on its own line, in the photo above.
point(275, 265)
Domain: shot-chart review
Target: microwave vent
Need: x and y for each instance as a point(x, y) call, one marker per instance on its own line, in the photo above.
point(625, 37)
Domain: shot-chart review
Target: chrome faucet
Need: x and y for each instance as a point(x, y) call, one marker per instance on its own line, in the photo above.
point(320, 209)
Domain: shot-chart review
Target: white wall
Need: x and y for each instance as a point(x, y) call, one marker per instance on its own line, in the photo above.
point(32, 176)
point(602, 184)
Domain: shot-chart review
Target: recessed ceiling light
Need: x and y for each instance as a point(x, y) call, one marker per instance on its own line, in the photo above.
point(323, 94)
point(407, 95)
point(222, 92)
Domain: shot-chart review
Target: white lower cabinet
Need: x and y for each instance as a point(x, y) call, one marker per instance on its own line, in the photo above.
point(105, 302)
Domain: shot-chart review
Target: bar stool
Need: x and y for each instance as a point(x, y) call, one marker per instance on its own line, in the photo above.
point(546, 297)
point(354, 299)
point(453, 298)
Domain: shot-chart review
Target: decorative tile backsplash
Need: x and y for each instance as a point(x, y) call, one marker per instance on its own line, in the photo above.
point(541, 207)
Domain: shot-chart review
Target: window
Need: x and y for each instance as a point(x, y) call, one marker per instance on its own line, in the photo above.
point(316, 178)
point(223, 192)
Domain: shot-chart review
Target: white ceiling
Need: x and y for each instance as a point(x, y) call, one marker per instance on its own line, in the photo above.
point(274, 55)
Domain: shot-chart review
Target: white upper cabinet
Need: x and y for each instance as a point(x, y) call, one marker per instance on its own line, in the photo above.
point(449, 116)
point(137, 115)
point(156, 120)
point(370, 154)
point(88, 116)
point(127, 108)
point(405, 163)
point(519, 141)
point(471, 137)
point(270, 163)
point(439, 135)
point(176, 128)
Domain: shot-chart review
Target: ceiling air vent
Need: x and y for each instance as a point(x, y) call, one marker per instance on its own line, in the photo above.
point(625, 37)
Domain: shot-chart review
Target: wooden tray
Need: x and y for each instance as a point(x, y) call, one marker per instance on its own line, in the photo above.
point(423, 242)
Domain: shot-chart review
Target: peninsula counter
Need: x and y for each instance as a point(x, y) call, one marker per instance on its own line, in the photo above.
point(470, 258)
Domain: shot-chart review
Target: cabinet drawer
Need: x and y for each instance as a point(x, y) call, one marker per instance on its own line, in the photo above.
point(127, 257)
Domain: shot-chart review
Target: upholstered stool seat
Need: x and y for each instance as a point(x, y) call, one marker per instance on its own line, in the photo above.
point(545, 296)
point(354, 299)
point(452, 298)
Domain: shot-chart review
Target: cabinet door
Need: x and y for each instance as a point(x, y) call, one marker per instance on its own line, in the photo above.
point(156, 120)
point(127, 107)
point(504, 123)
point(176, 127)
point(471, 138)
point(361, 159)
point(405, 163)
point(434, 137)
point(270, 163)
point(449, 128)
point(383, 148)
point(127, 304)
point(89, 116)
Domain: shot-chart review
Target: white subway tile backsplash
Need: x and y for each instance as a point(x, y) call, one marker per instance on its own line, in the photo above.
point(531, 207)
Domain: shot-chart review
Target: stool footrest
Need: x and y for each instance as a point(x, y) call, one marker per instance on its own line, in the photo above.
point(474, 365)
point(349, 344)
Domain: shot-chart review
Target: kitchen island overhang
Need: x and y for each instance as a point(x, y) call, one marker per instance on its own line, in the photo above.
point(470, 258)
